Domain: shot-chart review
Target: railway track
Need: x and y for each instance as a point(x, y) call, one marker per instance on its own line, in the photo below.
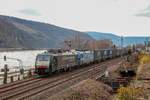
point(54, 90)
point(27, 89)
point(84, 74)
point(28, 82)
point(15, 83)
point(44, 95)
point(20, 89)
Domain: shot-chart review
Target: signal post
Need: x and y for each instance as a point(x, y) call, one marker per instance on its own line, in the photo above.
point(5, 70)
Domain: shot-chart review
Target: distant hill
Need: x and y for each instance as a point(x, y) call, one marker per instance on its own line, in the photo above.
point(117, 39)
point(20, 33)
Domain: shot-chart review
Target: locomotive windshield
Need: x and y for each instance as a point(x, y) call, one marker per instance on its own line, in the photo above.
point(42, 58)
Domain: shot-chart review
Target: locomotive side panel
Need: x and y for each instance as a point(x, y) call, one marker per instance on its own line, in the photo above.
point(65, 61)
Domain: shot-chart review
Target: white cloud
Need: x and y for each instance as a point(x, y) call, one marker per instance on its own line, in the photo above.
point(144, 13)
point(31, 12)
point(117, 16)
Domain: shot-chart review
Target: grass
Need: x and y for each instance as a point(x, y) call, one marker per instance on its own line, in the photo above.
point(86, 90)
point(129, 93)
point(144, 58)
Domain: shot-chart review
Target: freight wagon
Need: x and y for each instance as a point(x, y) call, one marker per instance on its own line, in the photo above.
point(87, 57)
point(98, 56)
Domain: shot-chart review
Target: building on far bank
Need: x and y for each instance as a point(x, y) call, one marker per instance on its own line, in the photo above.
point(147, 44)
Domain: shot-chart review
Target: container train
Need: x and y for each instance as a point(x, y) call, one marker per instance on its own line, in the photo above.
point(46, 63)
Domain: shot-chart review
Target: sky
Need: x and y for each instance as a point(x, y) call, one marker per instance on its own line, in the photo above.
point(121, 17)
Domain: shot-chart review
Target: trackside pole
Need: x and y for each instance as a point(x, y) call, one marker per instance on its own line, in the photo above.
point(5, 73)
point(5, 70)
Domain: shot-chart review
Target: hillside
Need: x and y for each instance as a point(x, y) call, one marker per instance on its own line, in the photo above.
point(128, 40)
point(20, 33)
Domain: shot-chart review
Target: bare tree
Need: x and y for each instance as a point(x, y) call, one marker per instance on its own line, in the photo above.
point(76, 42)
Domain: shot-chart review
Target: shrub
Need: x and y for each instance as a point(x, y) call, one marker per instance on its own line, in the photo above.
point(144, 58)
point(129, 93)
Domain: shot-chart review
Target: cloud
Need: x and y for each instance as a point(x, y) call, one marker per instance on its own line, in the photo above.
point(32, 12)
point(144, 13)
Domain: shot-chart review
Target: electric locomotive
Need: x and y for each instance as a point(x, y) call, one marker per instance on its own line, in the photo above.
point(47, 63)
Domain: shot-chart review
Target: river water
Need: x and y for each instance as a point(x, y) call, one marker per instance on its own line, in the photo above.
point(17, 58)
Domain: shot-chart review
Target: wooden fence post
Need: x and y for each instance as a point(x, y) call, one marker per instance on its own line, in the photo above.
point(5, 73)
point(11, 78)
point(18, 77)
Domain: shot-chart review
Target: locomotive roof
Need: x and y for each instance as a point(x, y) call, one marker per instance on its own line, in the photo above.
point(56, 54)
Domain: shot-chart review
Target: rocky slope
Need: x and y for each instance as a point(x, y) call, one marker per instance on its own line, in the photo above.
point(20, 33)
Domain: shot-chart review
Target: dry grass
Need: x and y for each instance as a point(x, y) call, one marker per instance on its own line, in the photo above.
point(85, 90)
point(143, 73)
point(144, 67)
point(144, 58)
point(129, 93)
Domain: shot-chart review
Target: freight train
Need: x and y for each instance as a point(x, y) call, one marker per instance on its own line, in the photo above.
point(47, 63)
